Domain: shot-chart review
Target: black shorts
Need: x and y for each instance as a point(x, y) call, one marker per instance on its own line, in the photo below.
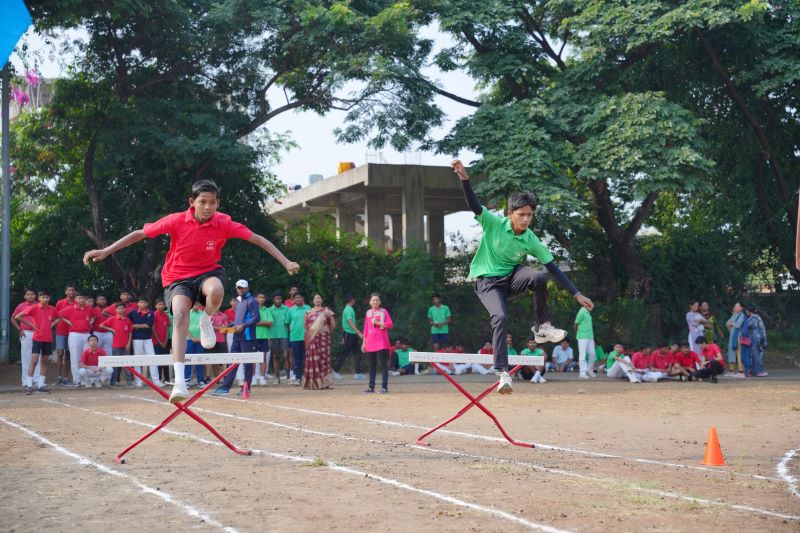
point(40, 347)
point(190, 287)
point(262, 345)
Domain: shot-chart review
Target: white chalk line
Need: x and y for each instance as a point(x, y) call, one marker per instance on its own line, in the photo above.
point(185, 507)
point(502, 440)
point(783, 471)
point(331, 465)
point(541, 468)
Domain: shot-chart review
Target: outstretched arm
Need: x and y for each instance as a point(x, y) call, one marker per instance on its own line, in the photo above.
point(272, 250)
point(564, 281)
point(124, 242)
point(466, 186)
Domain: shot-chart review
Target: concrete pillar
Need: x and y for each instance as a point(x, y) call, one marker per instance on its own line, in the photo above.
point(397, 231)
point(413, 211)
point(345, 221)
point(436, 232)
point(375, 209)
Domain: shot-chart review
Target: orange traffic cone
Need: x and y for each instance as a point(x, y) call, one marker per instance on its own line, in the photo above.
point(246, 393)
point(713, 455)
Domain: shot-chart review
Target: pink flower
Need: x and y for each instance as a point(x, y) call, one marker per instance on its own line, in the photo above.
point(33, 77)
point(20, 97)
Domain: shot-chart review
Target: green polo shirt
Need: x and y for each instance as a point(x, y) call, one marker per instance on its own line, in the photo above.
point(348, 314)
point(262, 332)
point(501, 250)
point(439, 314)
point(512, 351)
point(295, 319)
point(584, 321)
point(169, 330)
point(278, 328)
point(610, 359)
point(403, 355)
point(599, 354)
point(528, 351)
point(194, 323)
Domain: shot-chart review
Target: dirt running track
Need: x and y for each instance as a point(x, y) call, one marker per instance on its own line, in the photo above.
point(612, 457)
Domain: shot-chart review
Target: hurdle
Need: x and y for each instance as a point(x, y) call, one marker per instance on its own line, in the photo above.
point(435, 358)
point(129, 362)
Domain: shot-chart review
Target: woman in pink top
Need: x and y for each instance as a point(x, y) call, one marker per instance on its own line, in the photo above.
point(376, 342)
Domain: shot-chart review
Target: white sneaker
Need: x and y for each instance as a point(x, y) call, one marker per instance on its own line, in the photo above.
point(179, 392)
point(633, 378)
point(267, 376)
point(394, 373)
point(584, 375)
point(591, 374)
point(158, 383)
point(207, 336)
point(546, 332)
point(542, 380)
point(504, 386)
point(337, 376)
point(140, 384)
point(359, 376)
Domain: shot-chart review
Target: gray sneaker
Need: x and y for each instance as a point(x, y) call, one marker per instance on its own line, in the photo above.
point(546, 332)
point(359, 376)
point(505, 386)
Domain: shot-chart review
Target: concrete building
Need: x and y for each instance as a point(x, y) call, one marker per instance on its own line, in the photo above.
point(392, 205)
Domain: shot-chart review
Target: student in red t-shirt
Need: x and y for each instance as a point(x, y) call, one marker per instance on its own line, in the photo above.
point(684, 362)
point(25, 334)
point(192, 271)
point(105, 339)
point(79, 319)
point(231, 314)
point(161, 322)
point(126, 298)
point(62, 333)
point(713, 362)
point(88, 368)
point(122, 329)
point(41, 318)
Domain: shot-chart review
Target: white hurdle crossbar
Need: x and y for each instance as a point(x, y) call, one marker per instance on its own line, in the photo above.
point(481, 359)
point(191, 359)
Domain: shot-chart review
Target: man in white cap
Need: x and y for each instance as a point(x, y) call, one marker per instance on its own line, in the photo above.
point(244, 335)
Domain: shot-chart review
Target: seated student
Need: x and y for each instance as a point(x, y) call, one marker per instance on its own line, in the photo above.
point(533, 372)
point(476, 367)
point(600, 359)
point(685, 362)
point(713, 364)
point(619, 365)
point(661, 360)
point(643, 364)
point(444, 366)
point(563, 359)
point(393, 355)
point(401, 358)
point(88, 369)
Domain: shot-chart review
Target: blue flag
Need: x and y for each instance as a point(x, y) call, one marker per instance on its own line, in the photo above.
point(14, 21)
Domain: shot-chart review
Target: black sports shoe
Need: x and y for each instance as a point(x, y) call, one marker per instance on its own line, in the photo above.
point(43, 390)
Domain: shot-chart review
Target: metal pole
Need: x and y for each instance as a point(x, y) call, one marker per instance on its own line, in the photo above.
point(5, 260)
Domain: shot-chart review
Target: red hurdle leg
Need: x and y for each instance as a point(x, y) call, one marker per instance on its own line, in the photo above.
point(474, 402)
point(183, 408)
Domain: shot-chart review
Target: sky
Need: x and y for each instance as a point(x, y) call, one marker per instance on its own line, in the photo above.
point(317, 151)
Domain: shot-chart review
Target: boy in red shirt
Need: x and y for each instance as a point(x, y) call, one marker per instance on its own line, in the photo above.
point(88, 368)
point(192, 272)
point(78, 319)
point(713, 362)
point(122, 329)
point(62, 333)
point(25, 334)
point(684, 362)
point(125, 298)
point(161, 322)
point(41, 318)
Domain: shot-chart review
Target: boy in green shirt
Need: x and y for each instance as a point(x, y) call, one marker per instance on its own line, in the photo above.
point(402, 355)
point(278, 335)
point(265, 320)
point(439, 319)
point(585, 335)
point(295, 319)
point(500, 274)
point(350, 340)
point(534, 373)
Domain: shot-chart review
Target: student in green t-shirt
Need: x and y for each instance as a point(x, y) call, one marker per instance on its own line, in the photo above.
point(278, 335)
point(600, 359)
point(350, 340)
point(535, 373)
point(585, 335)
point(265, 320)
point(295, 319)
point(400, 358)
point(439, 319)
point(500, 273)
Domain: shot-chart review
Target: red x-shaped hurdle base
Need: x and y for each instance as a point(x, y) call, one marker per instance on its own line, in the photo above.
point(473, 402)
point(182, 408)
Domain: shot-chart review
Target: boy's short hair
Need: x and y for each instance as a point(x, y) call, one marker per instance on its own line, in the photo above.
point(261, 294)
point(349, 297)
point(204, 185)
point(700, 340)
point(92, 336)
point(43, 293)
point(277, 293)
point(683, 344)
point(519, 200)
point(436, 295)
point(144, 299)
point(159, 300)
point(532, 339)
point(118, 305)
point(300, 294)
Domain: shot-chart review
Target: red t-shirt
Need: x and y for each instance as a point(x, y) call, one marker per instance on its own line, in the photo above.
point(687, 360)
point(43, 317)
point(289, 303)
point(231, 314)
point(661, 360)
point(62, 328)
point(219, 320)
point(89, 358)
point(711, 351)
point(19, 309)
point(486, 351)
point(122, 328)
point(642, 360)
point(79, 317)
point(111, 310)
point(99, 318)
point(194, 248)
point(160, 325)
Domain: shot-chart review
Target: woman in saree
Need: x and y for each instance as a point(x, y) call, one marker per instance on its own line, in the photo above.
point(320, 324)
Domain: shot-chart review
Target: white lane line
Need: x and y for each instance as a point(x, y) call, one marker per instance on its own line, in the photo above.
point(185, 507)
point(500, 439)
point(532, 466)
point(783, 471)
point(335, 467)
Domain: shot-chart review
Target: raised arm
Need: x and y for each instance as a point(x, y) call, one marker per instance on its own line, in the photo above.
point(466, 186)
point(272, 250)
point(98, 255)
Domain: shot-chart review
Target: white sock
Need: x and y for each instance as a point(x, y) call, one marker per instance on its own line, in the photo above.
point(179, 369)
point(41, 381)
point(28, 381)
point(537, 375)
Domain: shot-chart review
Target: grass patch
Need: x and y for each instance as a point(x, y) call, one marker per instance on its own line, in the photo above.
point(316, 463)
